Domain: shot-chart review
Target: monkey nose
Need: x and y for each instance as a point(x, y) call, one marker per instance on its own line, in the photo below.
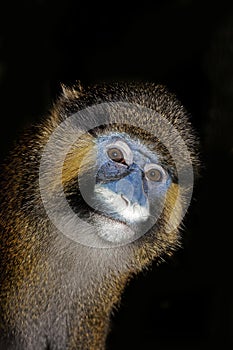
point(131, 192)
point(125, 189)
point(126, 200)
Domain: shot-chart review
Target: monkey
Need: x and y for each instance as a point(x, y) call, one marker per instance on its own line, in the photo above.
point(90, 196)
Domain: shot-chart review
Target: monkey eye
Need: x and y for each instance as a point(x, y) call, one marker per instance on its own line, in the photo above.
point(154, 175)
point(154, 172)
point(120, 152)
point(115, 154)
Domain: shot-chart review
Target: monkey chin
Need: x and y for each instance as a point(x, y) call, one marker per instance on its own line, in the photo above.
point(115, 231)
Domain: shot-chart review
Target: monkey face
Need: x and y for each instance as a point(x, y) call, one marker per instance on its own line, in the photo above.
point(130, 183)
point(120, 185)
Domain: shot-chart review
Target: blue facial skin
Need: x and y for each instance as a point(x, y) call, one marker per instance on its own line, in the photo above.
point(129, 180)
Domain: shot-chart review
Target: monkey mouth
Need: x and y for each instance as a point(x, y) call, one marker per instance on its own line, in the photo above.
point(119, 207)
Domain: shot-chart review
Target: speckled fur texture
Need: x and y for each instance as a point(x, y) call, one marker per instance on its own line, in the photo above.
point(57, 294)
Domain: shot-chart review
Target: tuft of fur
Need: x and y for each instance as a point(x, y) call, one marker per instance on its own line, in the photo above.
point(56, 293)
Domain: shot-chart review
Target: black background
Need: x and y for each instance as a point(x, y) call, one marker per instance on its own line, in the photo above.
point(187, 302)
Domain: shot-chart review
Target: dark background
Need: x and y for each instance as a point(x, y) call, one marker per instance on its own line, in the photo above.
point(187, 302)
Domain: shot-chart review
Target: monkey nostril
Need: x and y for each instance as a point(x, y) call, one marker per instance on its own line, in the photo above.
point(125, 199)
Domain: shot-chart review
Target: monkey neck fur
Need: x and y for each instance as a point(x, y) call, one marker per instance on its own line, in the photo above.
point(86, 282)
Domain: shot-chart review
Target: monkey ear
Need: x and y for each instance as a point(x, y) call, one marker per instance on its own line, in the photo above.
point(72, 92)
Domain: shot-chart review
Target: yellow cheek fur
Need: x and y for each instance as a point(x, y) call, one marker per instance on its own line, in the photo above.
point(173, 207)
point(79, 159)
